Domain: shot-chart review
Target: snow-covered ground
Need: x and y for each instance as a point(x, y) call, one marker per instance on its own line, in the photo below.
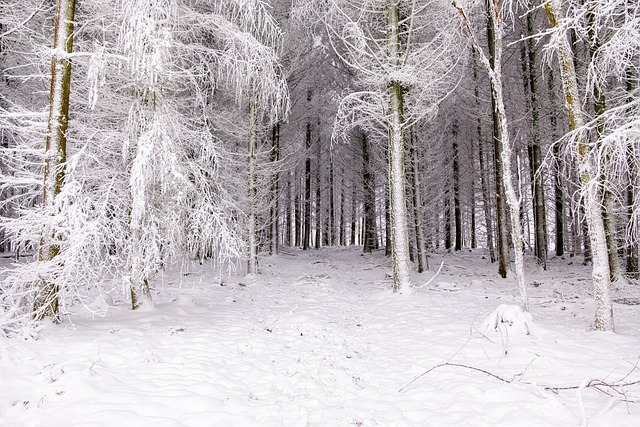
point(319, 339)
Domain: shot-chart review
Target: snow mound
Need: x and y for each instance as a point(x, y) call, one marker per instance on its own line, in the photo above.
point(509, 319)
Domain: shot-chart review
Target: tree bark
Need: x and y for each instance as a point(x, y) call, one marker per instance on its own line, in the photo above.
point(398, 205)
point(45, 302)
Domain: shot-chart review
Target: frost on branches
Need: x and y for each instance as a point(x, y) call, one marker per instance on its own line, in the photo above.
point(143, 184)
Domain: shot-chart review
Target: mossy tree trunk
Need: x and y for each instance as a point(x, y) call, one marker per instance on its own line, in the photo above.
point(45, 303)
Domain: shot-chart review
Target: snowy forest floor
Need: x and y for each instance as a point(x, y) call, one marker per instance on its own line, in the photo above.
point(319, 339)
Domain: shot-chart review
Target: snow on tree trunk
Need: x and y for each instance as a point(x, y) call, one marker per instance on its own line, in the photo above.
point(588, 177)
point(399, 235)
point(252, 250)
point(45, 303)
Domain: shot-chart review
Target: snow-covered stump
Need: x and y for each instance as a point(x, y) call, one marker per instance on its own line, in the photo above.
point(509, 320)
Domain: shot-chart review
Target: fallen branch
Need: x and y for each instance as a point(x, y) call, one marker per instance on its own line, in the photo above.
point(603, 387)
point(434, 276)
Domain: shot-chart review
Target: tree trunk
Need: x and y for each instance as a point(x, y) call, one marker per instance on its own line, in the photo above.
point(354, 212)
point(495, 75)
point(318, 221)
point(252, 191)
point(457, 213)
point(343, 238)
point(369, 192)
point(387, 223)
point(632, 251)
point(535, 152)
point(558, 181)
point(423, 263)
point(501, 207)
point(599, 108)
point(486, 200)
point(275, 182)
point(306, 238)
point(45, 302)
point(297, 212)
point(588, 172)
point(332, 204)
point(447, 217)
point(289, 225)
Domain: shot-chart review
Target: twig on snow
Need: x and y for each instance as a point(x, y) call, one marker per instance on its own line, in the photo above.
point(433, 277)
point(608, 388)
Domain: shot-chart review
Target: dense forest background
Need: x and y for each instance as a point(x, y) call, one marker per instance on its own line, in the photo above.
point(137, 132)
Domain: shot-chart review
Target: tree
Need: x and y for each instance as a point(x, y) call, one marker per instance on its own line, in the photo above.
point(45, 302)
point(591, 191)
point(530, 78)
point(495, 75)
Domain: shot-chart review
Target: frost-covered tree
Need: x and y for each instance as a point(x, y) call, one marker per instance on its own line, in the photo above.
point(45, 302)
point(604, 145)
point(496, 14)
point(143, 181)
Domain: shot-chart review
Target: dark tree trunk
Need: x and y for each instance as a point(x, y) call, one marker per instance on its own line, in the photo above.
point(535, 153)
point(457, 212)
point(416, 200)
point(306, 239)
point(342, 223)
point(484, 184)
point(501, 206)
point(274, 230)
point(354, 220)
point(298, 212)
point(632, 249)
point(369, 191)
point(387, 228)
point(318, 222)
point(558, 181)
point(447, 217)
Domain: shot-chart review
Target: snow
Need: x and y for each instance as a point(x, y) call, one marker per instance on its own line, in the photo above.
point(319, 339)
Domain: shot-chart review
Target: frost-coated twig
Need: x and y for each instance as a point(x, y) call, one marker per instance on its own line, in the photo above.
point(459, 365)
point(433, 277)
point(606, 388)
